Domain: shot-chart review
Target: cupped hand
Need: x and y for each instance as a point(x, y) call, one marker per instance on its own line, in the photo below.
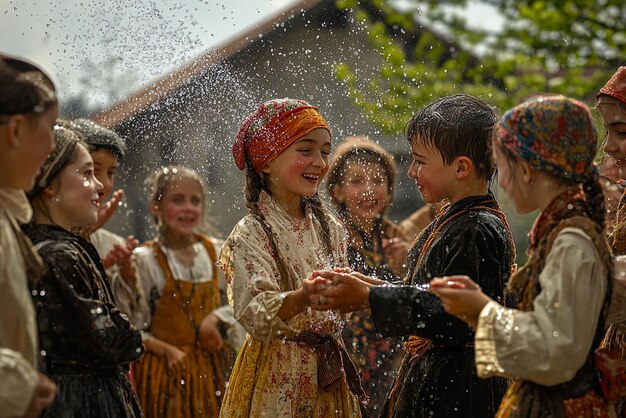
point(460, 297)
point(347, 293)
point(210, 337)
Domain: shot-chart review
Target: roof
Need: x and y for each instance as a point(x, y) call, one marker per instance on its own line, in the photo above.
point(144, 98)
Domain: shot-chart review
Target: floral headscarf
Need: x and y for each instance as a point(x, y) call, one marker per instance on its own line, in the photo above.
point(554, 134)
point(272, 128)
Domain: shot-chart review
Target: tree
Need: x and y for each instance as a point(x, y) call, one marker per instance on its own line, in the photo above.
point(567, 47)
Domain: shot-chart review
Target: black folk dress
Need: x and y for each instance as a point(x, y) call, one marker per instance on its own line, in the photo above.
point(86, 343)
point(438, 376)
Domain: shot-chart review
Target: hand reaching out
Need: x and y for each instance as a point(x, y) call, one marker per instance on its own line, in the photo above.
point(106, 210)
point(460, 297)
point(120, 255)
point(338, 290)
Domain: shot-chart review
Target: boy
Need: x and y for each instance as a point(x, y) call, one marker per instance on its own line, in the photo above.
point(107, 148)
point(450, 144)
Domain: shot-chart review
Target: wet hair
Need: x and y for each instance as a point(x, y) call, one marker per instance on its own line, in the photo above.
point(458, 125)
point(255, 184)
point(97, 137)
point(158, 182)
point(359, 150)
point(24, 88)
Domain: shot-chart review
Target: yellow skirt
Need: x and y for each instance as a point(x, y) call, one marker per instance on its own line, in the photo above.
point(279, 379)
point(197, 393)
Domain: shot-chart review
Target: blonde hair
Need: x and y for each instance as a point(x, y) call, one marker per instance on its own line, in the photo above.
point(157, 184)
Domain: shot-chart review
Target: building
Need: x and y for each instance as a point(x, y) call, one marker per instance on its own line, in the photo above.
point(190, 117)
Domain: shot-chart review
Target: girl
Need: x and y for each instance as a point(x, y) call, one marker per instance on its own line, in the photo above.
point(28, 109)
point(360, 183)
point(184, 370)
point(611, 101)
point(292, 363)
point(544, 150)
point(86, 342)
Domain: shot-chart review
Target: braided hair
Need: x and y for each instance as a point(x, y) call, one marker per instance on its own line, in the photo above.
point(255, 184)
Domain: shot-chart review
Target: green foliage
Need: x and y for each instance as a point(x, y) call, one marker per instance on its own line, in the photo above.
point(568, 47)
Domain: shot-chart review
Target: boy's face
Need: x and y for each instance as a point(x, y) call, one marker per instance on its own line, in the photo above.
point(434, 179)
point(614, 118)
point(105, 169)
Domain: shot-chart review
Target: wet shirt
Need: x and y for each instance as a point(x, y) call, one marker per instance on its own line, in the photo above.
point(475, 244)
point(441, 380)
point(86, 342)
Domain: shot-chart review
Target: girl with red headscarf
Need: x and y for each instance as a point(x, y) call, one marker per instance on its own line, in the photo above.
point(293, 362)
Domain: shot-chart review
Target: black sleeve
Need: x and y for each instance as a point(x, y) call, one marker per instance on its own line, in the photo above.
point(471, 249)
point(73, 318)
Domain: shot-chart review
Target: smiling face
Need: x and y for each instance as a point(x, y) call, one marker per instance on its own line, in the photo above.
point(105, 168)
point(364, 190)
point(181, 206)
point(614, 118)
point(299, 169)
point(74, 192)
point(29, 140)
point(434, 179)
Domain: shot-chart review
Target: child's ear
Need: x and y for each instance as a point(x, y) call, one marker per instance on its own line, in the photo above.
point(526, 171)
point(266, 169)
point(13, 127)
point(155, 210)
point(464, 166)
point(52, 189)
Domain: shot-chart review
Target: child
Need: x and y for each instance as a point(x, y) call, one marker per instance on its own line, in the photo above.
point(545, 150)
point(360, 182)
point(184, 370)
point(292, 363)
point(86, 342)
point(611, 101)
point(107, 149)
point(451, 160)
point(612, 104)
point(28, 109)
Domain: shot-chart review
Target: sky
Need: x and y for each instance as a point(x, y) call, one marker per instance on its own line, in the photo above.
point(109, 49)
point(127, 42)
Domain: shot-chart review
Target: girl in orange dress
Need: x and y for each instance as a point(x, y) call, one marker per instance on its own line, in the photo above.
point(184, 370)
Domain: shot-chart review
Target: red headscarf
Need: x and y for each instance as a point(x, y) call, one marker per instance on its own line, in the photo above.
point(616, 86)
point(272, 128)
